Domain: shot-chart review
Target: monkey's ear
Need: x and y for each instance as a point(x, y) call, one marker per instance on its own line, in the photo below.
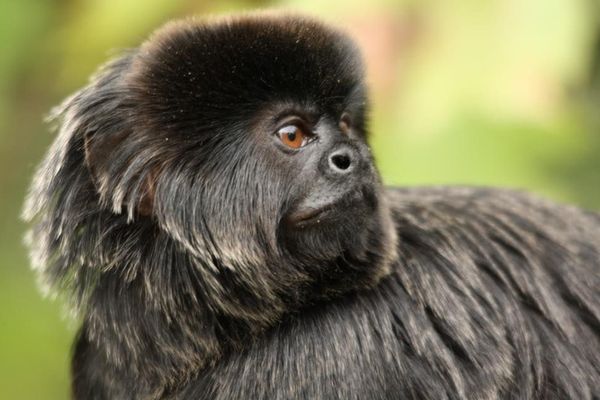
point(118, 172)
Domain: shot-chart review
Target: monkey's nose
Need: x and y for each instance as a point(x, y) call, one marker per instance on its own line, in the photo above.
point(342, 161)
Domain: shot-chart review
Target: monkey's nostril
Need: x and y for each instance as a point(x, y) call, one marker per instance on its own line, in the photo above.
point(340, 161)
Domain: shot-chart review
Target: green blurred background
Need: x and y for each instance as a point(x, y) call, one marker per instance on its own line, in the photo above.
point(503, 92)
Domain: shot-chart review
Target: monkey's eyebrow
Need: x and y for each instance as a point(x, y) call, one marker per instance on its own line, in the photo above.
point(289, 119)
point(307, 113)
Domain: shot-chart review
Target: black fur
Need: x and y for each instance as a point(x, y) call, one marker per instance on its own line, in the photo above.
point(164, 211)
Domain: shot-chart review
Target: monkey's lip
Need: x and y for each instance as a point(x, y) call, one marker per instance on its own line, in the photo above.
point(347, 203)
point(310, 214)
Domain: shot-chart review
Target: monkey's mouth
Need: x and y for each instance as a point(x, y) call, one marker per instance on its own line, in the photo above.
point(309, 215)
point(350, 205)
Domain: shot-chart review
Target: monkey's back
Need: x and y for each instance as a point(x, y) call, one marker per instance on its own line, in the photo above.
point(495, 294)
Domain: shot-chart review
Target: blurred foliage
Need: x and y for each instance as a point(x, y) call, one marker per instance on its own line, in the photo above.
point(499, 92)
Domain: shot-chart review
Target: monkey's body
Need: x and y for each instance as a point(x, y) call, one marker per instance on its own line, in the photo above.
point(494, 296)
point(211, 207)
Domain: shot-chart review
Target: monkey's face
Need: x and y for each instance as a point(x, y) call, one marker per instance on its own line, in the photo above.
point(331, 189)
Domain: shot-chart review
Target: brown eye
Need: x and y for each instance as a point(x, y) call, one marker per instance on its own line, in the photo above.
point(293, 136)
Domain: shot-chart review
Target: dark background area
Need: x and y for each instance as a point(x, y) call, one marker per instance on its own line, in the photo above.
point(500, 92)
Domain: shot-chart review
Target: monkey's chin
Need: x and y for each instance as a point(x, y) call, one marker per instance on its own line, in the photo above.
point(323, 231)
point(343, 248)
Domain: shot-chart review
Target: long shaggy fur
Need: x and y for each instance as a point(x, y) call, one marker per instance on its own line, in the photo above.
point(159, 213)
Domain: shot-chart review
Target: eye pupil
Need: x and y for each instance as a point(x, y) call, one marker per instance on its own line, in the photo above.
point(291, 136)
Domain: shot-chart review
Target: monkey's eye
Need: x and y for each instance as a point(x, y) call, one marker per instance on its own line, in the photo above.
point(294, 137)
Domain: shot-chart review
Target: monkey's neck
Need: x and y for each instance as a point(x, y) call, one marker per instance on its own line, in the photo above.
point(159, 315)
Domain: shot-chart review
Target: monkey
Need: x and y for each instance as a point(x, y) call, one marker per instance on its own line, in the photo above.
point(211, 212)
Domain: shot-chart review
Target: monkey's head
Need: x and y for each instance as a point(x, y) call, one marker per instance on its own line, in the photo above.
point(222, 163)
